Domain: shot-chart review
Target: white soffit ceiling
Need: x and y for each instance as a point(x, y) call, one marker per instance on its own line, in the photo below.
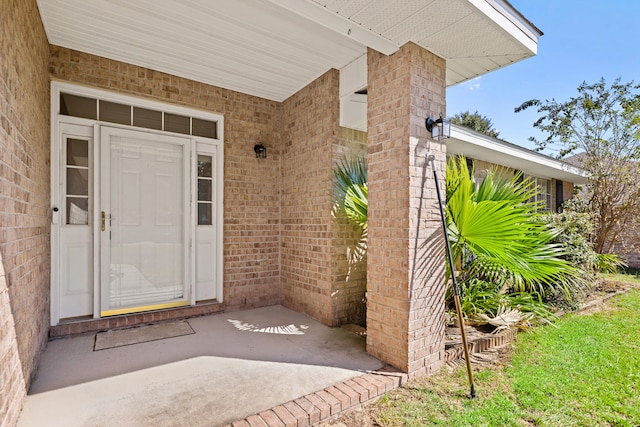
point(273, 48)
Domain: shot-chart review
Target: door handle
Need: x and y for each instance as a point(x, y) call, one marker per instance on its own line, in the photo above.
point(102, 220)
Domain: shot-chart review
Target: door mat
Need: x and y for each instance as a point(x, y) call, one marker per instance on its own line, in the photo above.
point(122, 337)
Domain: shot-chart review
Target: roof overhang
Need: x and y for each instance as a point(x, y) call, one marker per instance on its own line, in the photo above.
point(474, 145)
point(273, 48)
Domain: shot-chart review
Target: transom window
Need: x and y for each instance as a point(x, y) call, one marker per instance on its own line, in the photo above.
point(125, 114)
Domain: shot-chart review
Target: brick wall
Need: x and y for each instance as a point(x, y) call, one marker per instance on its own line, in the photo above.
point(405, 266)
point(482, 167)
point(292, 185)
point(24, 201)
point(628, 244)
point(251, 186)
point(321, 275)
point(349, 257)
point(567, 190)
point(310, 127)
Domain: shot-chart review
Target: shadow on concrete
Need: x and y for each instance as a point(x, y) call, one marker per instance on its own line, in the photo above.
point(236, 364)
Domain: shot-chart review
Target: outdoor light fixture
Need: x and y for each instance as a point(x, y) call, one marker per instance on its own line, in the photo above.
point(439, 127)
point(261, 151)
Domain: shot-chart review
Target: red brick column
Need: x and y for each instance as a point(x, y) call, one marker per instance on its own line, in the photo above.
point(406, 264)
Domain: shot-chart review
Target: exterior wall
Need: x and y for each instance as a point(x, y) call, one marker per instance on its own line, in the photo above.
point(349, 257)
point(406, 264)
point(628, 244)
point(24, 201)
point(278, 222)
point(310, 127)
point(481, 168)
point(251, 186)
point(567, 190)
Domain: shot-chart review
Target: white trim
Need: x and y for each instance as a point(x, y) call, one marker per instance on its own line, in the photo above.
point(341, 25)
point(58, 86)
point(353, 76)
point(97, 247)
point(509, 22)
point(193, 196)
point(353, 106)
point(517, 18)
point(481, 147)
point(56, 119)
point(54, 157)
point(208, 149)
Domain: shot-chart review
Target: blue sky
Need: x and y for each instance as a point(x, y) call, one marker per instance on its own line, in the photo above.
point(583, 40)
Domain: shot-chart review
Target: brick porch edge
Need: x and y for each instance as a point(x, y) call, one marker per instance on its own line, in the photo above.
point(320, 406)
point(323, 405)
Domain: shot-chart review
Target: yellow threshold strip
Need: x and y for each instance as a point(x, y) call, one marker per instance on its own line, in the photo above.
point(143, 308)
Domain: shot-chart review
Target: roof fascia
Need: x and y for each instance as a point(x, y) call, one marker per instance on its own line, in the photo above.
point(510, 20)
point(489, 144)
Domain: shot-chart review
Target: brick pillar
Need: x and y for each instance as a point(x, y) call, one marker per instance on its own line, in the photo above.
point(406, 263)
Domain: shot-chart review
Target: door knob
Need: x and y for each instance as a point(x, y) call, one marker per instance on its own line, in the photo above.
point(102, 220)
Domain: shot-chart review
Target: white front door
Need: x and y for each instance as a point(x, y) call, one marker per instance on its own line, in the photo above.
point(144, 221)
point(156, 173)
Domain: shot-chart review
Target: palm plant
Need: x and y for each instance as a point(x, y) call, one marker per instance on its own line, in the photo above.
point(503, 252)
point(351, 191)
point(495, 234)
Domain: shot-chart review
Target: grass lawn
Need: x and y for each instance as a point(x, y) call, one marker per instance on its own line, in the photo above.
point(630, 275)
point(583, 372)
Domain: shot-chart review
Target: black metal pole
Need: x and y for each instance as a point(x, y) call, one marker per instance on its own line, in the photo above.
point(456, 292)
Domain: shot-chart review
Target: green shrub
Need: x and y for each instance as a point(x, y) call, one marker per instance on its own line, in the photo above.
point(478, 297)
point(573, 227)
point(573, 231)
point(610, 263)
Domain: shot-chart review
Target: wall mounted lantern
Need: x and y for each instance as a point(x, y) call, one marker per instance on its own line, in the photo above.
point(261, 151)
point(438, 127)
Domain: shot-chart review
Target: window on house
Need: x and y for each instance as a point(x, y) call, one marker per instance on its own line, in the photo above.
point(113, 112)
point(177, 123)
point(205, 128)
point(470, 167)
point(559, 195)
point(77, 181)
point(205, 190)
point(519, 174)
point(544, 195)
point(145, 118)
point(78, 106)
point(544, 190)
point(124, 114)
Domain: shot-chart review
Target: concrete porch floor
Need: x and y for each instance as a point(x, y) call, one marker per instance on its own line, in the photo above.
point(235, 365)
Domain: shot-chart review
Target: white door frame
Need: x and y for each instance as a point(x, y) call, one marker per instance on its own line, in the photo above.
point(201, 144)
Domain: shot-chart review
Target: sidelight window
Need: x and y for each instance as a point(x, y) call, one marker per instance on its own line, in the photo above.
point(77, 181)
point(205, 190)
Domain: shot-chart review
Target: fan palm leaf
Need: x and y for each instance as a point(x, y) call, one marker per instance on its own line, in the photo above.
point(351, 191)
point(496, 222)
